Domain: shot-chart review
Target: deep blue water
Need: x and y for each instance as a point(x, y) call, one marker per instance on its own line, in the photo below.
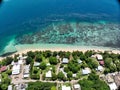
point(17, 15)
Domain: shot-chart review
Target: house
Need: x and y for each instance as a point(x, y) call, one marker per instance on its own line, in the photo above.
point(86, 71)
point(10, 87)
point(48, 74)
point(3, 68)
point(77, 87)
point(117, 79)
point(100, 68)
point(26, 71)
point(109, 78)
point(99, 57)
point(66, 87)
point(16, 69)
point(65, 60)
point(112, 86)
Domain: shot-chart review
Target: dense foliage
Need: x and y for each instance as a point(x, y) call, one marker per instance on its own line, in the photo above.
point(41, 86)
point(93, 83)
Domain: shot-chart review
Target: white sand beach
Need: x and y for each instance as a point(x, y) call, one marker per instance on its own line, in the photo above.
point(24, 48)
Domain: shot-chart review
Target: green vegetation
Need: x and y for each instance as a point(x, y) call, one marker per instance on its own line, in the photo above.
point(5, 81)
point(41, 86)
point(93, 83)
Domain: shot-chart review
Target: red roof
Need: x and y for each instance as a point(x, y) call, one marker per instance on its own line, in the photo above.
point(101, 62)
point(3, 68)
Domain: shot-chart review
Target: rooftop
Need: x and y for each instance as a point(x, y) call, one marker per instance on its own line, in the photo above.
point(66, 87)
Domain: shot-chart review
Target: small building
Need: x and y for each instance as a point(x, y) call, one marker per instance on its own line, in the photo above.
point(77, 87)
point(10, 87)
point(65, 60)
point(36, 64)
point(3, 68)
point(48, 74)
point(99, 57)
point(79, 61)
point(66, 87)
point(100, 68)
point(86, 71)
point(109, 78)
point(16, 69)
point(112, 86)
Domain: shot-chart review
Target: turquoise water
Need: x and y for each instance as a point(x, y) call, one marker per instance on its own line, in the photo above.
point(21, 19)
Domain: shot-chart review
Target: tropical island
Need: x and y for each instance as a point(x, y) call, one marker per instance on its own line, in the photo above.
point(61, 70)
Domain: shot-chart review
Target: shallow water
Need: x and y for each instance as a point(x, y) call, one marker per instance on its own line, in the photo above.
point(21, 19)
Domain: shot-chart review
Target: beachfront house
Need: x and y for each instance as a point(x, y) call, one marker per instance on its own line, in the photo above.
point(48, 74)
point(66, 87)
point(26, 71)
point(76, 87)
point(16, 69)
point(112, 86)
point(86, 71)
point(65, 61)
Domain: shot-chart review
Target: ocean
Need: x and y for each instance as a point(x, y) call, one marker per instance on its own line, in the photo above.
point(73, 22)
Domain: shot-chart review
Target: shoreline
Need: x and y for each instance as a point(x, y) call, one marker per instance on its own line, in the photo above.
point(24, 48)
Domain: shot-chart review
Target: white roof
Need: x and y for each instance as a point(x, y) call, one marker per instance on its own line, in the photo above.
point(12, 63)
point(26, 69)
point(79, 61)
point(100, 68)
point(74, 75)
point(36, 64)
point(16, 69)
point(10, 87)
point(49, 74)
point(99, 57)
point(48, 64)
point(26, 75)
point(65, 60)
point(15, 72)
point(113, 86)
point(86, 71)
point(20, 61)
point(77, 86)
point(66, 88)
point(0, 80)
